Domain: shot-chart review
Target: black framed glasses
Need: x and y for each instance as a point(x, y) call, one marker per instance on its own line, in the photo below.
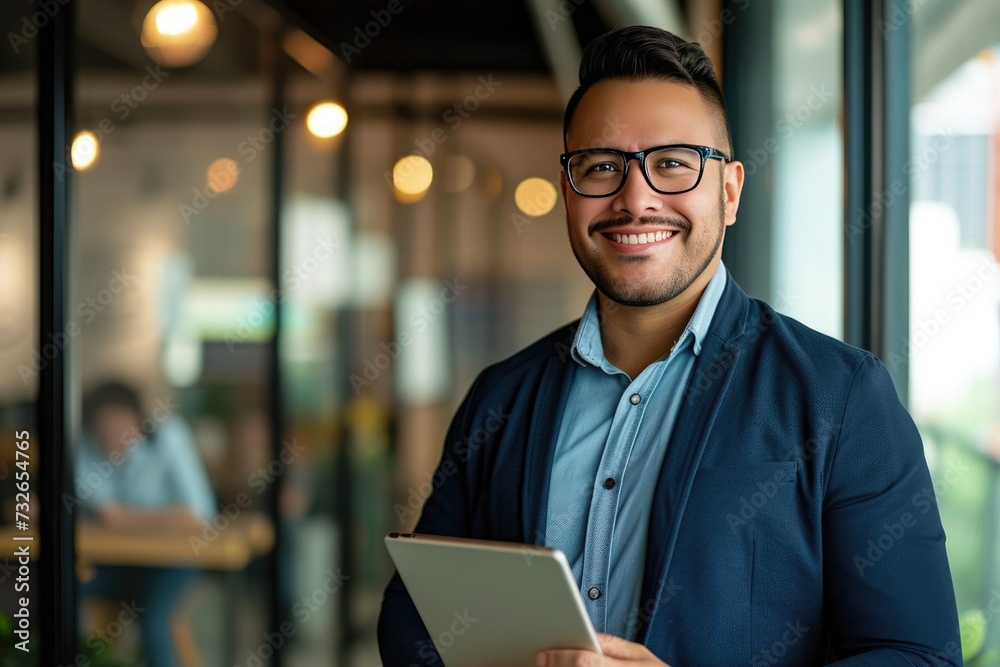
point(669, 170)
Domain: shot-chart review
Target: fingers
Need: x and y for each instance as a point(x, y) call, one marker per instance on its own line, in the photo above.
point(616, 647)
point(570, 658)
point(617, 652)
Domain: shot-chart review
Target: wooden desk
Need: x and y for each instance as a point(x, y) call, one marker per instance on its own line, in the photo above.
point(250, 535)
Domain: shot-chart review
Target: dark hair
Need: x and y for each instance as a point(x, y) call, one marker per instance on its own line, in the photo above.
point(109, 394)
point(638, 53)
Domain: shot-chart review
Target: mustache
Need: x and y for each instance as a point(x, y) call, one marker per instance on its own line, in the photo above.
point(599, 226)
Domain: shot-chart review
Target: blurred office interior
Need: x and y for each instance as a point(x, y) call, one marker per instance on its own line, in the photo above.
point(300, 228)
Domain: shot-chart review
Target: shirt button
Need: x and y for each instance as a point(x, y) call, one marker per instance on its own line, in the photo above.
point(635, 398)
point(594, 592)
point(609, 483)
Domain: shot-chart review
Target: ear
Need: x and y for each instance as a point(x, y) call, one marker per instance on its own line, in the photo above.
point(733, 187)
point(563, 184)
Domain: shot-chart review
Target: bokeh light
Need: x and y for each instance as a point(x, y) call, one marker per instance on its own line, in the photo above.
point(222, 174)
point(535, 196)
point(85, 151)
point(327, 119)
point(178, 33)
point(411, 177)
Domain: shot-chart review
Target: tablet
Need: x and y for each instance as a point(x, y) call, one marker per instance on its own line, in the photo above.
point(491, 603)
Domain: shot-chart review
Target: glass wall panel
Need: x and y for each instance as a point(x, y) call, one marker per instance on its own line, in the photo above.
point(807, 149)
point(171, 293)
point(20, 358)
point(317, 243)
point(953, 346)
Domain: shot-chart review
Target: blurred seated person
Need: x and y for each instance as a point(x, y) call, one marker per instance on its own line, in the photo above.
point(148, 474)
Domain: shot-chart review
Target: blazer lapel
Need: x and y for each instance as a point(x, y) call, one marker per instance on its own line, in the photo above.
point(706, 388)
point(546, 417)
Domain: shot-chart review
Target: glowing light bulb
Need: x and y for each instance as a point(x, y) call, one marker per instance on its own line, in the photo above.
point(84, 151)
point(176, 18)
point(326, 120)
point(178, 33)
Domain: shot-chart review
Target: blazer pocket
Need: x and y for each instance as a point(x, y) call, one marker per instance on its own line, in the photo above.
point(756, 505)
point(718, 564)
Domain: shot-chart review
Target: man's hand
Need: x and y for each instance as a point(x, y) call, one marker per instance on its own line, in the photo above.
point(617, 651)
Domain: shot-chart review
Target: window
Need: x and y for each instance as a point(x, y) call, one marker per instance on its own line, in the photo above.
point(953, 347)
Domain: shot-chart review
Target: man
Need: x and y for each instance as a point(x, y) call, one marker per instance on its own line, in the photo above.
point(134, 476)
point(729, 486)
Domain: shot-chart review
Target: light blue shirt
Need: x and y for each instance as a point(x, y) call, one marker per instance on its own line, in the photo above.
point(609, 450)
point(165, 471)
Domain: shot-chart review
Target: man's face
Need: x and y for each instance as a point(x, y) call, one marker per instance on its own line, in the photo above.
point(112, 425)
point(647, 114)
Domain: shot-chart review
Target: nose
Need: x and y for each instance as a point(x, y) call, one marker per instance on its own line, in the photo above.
point(636, 198)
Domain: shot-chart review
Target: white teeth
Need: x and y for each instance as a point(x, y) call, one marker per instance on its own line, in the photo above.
point(641, 239)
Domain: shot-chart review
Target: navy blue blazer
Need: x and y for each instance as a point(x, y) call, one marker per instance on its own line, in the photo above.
point(794, 520)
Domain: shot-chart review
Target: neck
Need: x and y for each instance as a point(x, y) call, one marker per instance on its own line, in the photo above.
point(634, 337)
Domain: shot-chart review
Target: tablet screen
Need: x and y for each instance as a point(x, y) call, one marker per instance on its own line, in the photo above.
point(486, 602)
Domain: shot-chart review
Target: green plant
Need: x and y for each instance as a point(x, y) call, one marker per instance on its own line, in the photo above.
point(95, 655)
point(973, 625)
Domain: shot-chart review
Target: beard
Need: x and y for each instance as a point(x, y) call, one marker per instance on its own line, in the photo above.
point(690, 262)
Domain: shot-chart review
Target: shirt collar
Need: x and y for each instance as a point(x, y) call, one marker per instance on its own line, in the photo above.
point(588, 349)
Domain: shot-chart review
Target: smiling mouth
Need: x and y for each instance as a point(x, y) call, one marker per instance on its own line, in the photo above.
point(641, 239)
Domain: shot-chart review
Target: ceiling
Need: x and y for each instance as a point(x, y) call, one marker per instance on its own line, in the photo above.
point(542, 37)
point(444, 35)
